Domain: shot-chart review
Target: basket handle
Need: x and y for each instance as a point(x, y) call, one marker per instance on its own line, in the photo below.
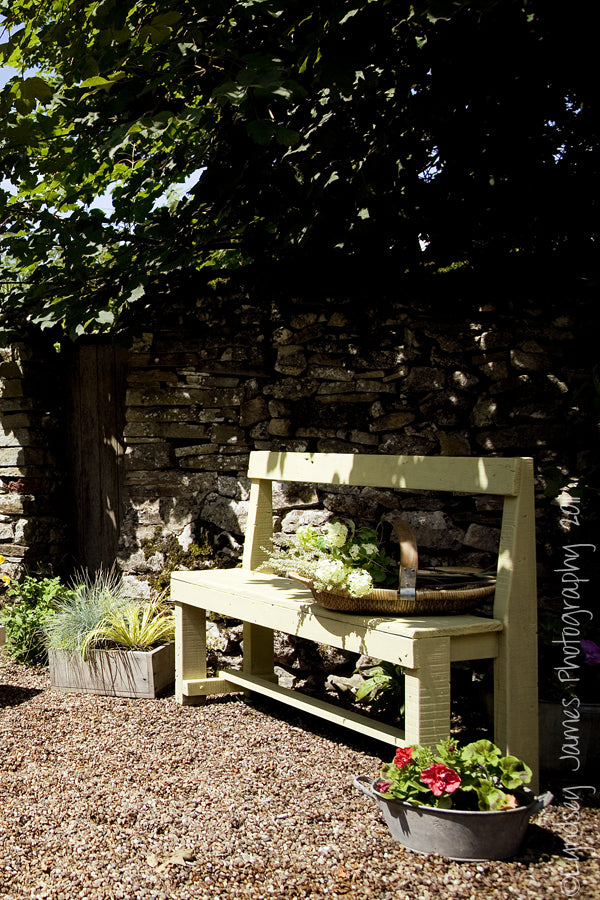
point(409, 554)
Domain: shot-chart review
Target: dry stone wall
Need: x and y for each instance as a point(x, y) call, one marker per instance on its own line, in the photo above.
point(206, 389)
point(33, 525)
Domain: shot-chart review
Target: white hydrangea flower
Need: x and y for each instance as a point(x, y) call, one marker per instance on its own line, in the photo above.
point(370, 549)
point(331, 573)
point(359, 582)
point(335, 534)
point(307, 536)
point(354, 551)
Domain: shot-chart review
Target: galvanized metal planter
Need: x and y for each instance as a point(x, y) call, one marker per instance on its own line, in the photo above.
point(116, 673)
point(457, 834)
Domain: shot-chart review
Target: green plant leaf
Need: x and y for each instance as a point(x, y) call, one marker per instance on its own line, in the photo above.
point(36, 88)
point(134, 626)
point(515, 772)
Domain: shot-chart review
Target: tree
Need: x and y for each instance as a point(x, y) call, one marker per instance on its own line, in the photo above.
point(373, 141)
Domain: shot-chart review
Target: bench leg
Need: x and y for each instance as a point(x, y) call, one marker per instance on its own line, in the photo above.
point(190, 649)
point(259, 658)
point(516, 708)
point(427, 694)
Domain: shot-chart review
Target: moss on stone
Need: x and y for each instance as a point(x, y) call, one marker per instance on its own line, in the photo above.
point(197, 556)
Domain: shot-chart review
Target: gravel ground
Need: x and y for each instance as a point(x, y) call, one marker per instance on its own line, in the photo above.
point(110, 798)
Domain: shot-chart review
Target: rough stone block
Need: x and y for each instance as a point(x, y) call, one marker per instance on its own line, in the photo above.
point(291, 360)
point(148, 456)
point(216, 463)
point(229, 515)
point(424, 378)
point(280, 427)
point(292, 520)
point(235, 488)
point(253, 411)
point(392, 421)
point(482, 537)
point(406, 444)
point(434, 530)
point(287, 495)
point(453, 444)
point(196, 450)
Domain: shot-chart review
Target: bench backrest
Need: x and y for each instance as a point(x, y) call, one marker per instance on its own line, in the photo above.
point(510, 478)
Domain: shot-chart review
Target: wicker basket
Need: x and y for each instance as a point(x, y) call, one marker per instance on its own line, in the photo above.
point(444, 591)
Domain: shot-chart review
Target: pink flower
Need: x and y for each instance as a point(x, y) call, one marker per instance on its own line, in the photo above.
point(510, 802)
point(403, 757)
point(440, 779)
point(382, 786)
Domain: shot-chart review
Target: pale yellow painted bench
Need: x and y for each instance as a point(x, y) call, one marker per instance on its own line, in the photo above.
point(424, 645)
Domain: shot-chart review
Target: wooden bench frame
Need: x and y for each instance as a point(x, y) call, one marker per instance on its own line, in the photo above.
point(425, 646)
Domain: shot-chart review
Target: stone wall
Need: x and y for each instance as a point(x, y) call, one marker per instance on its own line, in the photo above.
point(211, 382)
point(33, 521)
point(206, 389)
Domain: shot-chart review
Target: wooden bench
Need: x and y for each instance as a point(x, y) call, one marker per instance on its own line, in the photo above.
point(424, 645)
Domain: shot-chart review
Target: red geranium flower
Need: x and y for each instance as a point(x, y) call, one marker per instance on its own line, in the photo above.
point(440, 779)
point(403, 756)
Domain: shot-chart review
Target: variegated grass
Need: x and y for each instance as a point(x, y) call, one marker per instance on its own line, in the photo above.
point(97, 612)
point(134, 626)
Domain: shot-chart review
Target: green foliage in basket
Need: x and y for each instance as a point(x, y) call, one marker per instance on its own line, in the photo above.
point(335, 557)
point(475, 776)
point(32, 601)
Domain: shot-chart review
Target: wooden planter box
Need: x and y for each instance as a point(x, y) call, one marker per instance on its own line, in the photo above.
point(116, 673)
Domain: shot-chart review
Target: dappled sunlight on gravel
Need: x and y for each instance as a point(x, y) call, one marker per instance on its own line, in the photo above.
point(111, 798)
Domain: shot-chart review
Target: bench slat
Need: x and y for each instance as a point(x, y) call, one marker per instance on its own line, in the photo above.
point(472, 475)
point(321, 708)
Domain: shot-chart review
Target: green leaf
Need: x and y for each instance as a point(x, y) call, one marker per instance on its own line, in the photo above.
point(261, 132)
point(98, 81)
point(167, 18)
point(286, 137)
point(515, 772)
point(135, 294)
point(231, 91)
point(154, 34)
point(349, 15)
point(491, 797)
point(482, 752)
point(105, 317)
point(36, 88)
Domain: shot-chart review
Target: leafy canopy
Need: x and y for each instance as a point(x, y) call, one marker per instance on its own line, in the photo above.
point(361, 139)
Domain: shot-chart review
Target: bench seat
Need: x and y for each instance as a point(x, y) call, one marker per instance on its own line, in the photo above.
point(280, 604)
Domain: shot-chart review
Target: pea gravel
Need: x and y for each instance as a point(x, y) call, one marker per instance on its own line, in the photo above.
point(112, 798)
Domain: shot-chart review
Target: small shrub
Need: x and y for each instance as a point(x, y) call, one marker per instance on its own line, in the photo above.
point(32, 601)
